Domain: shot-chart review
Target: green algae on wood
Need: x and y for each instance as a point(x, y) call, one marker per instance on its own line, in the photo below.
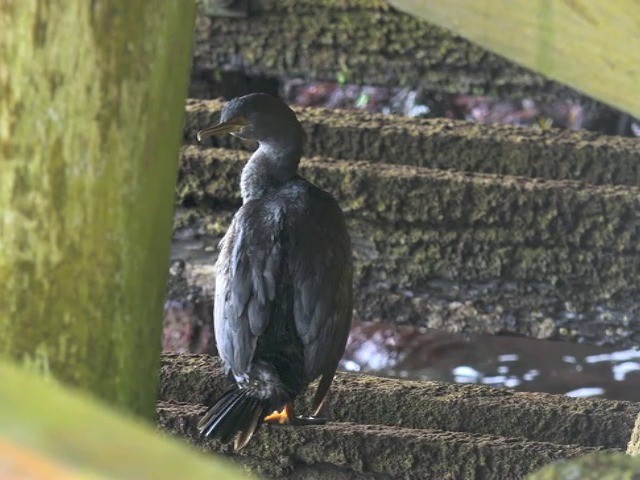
point(91, 107)
point(590, 45)
point(47, 428)
point(597, 466)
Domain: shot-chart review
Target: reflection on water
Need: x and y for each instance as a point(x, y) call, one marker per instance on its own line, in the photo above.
point(514, 362)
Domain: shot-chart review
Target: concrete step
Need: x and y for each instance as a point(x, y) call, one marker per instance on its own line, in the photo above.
point(540, 417)
point(451, 145)
point(359, 41)
point(385, 428)
point(465, 252)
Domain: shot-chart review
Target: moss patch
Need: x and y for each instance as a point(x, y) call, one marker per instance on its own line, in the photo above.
point(412, 430)
point(362, 42)
point(199, 379)
point(452, 145)
point(475, 252)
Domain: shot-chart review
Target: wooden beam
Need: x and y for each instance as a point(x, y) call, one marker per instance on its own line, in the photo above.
point(590, 45)
point(50, 432)
point(91, 108)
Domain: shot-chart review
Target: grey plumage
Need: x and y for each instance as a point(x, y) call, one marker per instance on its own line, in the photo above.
point(283, 297)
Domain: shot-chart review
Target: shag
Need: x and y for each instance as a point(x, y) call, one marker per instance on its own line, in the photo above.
point(283, 289)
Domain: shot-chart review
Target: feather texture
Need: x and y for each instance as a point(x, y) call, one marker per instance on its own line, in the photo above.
point(283, 298)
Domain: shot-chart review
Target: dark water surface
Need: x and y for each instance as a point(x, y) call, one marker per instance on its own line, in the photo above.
point(519, 363)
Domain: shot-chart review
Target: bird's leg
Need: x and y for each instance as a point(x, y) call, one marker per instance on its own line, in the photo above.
point(286, 416)
point(280, 417)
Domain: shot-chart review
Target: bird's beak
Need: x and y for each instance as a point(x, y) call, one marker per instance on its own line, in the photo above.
point(230, 126)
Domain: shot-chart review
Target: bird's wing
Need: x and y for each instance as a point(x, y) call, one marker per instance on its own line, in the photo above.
point(321, 267)
point(247, 271)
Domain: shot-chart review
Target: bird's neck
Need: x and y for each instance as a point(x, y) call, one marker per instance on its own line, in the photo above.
point(270, 167)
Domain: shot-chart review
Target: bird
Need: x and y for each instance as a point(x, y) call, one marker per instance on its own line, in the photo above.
point(283, 282)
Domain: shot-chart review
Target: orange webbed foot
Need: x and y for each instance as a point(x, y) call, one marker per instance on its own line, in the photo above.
point(282, 417)
point(287, 417)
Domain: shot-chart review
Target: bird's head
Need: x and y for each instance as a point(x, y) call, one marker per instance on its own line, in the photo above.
point(259, 117)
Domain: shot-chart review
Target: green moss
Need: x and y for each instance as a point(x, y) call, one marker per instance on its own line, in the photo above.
point(456, 145)
point(407, 431)
point(609, 466)
point(199, 379)
point(91, 135)
point(475, 233)
point(57, 439)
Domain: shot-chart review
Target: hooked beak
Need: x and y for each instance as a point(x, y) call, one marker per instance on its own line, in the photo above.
point(231, 126)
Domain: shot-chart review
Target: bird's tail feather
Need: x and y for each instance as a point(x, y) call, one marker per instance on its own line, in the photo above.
point(237, 415)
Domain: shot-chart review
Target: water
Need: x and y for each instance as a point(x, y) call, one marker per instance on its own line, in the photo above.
point(519, 363)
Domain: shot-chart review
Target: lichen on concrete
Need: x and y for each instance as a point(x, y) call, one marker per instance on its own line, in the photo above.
point(359, 42)
point(199, 379)
point(541, 257)
point(365, 450)
point(398, 437)
point(452, 145)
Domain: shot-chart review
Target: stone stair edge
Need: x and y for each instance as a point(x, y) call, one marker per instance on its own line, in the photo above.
point(419, 405)
point(383, 169)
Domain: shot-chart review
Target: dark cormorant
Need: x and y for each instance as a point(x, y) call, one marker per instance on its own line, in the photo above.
point(283, 296)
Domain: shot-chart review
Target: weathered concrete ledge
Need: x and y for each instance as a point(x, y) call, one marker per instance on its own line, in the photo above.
point(348, 451)
point(535, 309)
point(544, 213)
point(359, 42)
point(412, 430)
point(467, 252)
point(363, 399)
point(451, 145)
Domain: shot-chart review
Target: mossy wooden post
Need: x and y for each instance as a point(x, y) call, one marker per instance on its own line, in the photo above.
point(91, 110)
point(590, 45)
point(74, 438)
